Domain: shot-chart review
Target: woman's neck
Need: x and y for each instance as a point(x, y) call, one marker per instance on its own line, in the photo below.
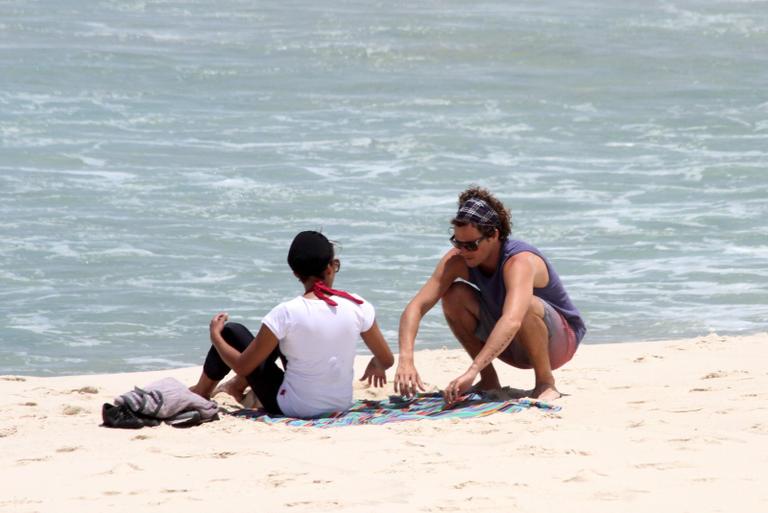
point(310, 284)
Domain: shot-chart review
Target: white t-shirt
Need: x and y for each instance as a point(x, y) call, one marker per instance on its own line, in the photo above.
point(318, 340)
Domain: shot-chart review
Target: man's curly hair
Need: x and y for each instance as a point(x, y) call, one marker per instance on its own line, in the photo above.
point(505, 218)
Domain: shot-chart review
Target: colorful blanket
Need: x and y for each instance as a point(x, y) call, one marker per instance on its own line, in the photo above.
point(399, 409)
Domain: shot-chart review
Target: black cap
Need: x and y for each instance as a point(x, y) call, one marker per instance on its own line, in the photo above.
point(310, 254)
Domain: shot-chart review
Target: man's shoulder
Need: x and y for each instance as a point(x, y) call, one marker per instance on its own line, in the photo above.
point(516, 246)
point(524, 261)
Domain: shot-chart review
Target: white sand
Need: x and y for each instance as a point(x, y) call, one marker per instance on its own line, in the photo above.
point(678, 426)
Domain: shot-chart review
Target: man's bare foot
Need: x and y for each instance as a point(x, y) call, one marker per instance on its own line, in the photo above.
point(234, 387)
point(545, 393)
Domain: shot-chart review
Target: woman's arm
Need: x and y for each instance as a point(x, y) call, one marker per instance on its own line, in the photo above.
point(254, 355)
point(374, 339)
point(382, 356)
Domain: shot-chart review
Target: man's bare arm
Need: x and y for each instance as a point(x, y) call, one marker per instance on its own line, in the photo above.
point(450, 267)
point(519, 275)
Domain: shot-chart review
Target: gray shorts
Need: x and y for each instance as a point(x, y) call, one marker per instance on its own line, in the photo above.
point(562, 339)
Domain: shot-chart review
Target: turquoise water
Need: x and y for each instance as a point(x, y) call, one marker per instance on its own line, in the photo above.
point(157, 157)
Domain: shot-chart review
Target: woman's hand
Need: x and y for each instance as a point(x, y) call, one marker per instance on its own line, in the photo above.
point(217, 323)
point(375, 373)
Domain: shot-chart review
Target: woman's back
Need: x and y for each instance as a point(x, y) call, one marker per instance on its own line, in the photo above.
point(315, 333)
point(318, 341)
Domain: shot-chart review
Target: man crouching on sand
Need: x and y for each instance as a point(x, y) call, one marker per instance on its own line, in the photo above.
point(501, 298)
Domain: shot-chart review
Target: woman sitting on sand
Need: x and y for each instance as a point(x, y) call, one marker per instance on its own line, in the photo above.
point(313, 334)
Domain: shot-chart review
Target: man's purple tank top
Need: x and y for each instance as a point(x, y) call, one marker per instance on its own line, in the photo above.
point(494, 291)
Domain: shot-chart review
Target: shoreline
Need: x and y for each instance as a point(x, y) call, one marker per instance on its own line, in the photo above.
point(679, 424)
point(363, 355)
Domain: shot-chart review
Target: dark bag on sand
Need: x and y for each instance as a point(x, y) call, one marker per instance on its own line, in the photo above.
point(167, 400)
point(122, 417)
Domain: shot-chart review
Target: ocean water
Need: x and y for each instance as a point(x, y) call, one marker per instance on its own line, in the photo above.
point(156, 157)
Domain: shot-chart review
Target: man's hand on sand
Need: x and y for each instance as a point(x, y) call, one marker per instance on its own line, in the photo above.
point(407, 380)
point(459, 387)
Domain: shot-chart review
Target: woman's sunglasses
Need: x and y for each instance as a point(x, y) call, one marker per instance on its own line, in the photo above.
point(468, 245)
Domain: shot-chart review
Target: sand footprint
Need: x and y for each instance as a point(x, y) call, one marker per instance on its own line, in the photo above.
point(278, 479)
point(479, 484)
point(313, 505)
point(692, 410)
point(70, 409)
point(661, 465)
point(123, 468)
point(620, 496)
point(724, 374)
point(583, 476)
point(640, 359)
point(577, 452)
point(7, 431)
point(25, 461)
point(84, 390)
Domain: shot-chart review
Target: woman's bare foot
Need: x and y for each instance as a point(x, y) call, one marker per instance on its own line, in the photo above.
point(545, 393)
point(234, 387)
point(197, 389)
point(204, 386)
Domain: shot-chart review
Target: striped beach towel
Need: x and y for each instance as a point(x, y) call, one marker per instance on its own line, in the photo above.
point(399, 409)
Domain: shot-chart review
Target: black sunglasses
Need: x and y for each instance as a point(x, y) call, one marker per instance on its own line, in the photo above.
point(469, 245)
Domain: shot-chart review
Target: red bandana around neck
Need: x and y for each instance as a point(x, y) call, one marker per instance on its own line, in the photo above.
point(323, 291)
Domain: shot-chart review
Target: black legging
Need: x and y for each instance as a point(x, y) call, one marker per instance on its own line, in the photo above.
point(265, 380)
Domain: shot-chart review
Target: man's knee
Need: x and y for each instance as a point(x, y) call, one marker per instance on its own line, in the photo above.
point(531, 317)
point(533, 320)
